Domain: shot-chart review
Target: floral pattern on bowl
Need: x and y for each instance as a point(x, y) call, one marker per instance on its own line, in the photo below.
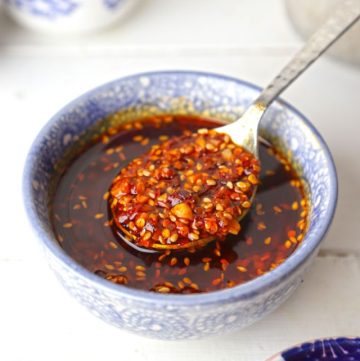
point(112, 4)
point(68, 16)
point(46, 8)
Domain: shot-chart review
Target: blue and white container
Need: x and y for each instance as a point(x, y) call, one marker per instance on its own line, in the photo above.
point(171, 316)
point(68, 16)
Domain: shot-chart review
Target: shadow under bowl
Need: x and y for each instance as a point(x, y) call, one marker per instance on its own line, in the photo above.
point(168, 316)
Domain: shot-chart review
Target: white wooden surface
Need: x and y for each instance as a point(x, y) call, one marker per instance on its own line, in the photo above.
point(250, 39)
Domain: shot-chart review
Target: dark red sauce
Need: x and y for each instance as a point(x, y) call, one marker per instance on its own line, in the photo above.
point(270, 232)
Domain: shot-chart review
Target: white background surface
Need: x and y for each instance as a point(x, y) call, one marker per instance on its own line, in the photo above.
point(249, 39)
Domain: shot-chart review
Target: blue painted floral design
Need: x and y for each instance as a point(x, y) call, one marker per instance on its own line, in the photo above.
point(50, 9)
point(340, 349)
point(112, 4)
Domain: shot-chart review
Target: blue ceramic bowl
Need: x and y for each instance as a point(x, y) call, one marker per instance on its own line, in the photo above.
point(181, 316)
point(331, 349)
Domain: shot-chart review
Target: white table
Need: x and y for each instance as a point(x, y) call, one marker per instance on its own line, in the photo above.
point(249, 39)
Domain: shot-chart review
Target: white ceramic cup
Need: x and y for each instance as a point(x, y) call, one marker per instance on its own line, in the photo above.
point(68, 16)
point(308, 15)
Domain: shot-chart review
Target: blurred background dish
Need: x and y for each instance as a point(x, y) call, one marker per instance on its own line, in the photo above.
point(308, 15)
point(68, 16)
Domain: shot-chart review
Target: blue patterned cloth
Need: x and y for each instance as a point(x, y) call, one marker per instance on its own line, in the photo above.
point(340, 349)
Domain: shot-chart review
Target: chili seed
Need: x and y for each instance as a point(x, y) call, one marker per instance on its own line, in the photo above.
point(173, 261)
point(216, 281)
point(193, 236)
point(277, 209)
point(253, 179)
point(140, 222)
point(229, 185)
point(242, 269)
point(113, 245)
point(267, 240)
point(211, 182)
point(138, 138)
point(163, 289)
point(287, 244)
point(295, 206)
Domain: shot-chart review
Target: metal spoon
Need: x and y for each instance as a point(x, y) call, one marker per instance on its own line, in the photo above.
point(244, 131)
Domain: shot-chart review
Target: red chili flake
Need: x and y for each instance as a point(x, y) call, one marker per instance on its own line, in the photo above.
point(249, 241)
point(216, 281)
point(224, 263)
point(206, 259)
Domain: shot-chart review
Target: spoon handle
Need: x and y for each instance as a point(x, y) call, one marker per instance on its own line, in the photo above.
point(347, 13)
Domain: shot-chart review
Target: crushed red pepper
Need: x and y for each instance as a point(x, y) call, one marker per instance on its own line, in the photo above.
point(271, 231)
point(191, 187)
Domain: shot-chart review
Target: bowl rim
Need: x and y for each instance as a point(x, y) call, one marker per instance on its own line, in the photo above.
point(242, 291)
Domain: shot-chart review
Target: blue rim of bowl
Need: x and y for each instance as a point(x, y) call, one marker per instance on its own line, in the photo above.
point(243, 291)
